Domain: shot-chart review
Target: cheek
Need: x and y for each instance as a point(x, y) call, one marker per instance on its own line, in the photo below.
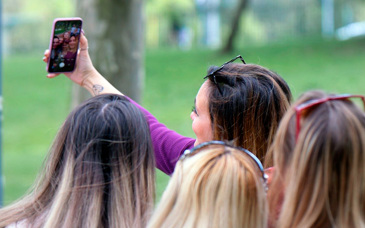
point(194, 126)
point(202, 130)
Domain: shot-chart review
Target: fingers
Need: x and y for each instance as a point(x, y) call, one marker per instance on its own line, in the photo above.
point(46, 53)
point(46, 56)
point(52, 75)
point(84, 55)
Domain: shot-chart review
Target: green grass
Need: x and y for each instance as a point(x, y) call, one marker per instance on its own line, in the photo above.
point(35, 107)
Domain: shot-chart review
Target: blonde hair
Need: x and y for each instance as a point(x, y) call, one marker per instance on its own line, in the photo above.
point(322, 172)
point(217, 187)
point(98, 173)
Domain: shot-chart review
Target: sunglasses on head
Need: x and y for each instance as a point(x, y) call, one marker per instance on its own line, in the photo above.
point(212, 75)
point(195, 150)
point(311, 103)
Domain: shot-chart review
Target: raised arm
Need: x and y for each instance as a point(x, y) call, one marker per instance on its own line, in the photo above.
point(168, 145)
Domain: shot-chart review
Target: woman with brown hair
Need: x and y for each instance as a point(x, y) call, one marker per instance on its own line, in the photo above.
point(319, 160)
point(99, 171)
point(238, 102)
point(214, 185)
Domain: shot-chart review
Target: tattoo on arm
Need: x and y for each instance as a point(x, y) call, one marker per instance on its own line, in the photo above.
point(97, 89)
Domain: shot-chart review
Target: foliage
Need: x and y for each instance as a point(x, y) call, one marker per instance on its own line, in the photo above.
point(28, 23)
point(163, 6)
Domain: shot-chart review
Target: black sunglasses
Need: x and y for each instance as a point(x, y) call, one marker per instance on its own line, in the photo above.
point(193, 151)
point(220, 68)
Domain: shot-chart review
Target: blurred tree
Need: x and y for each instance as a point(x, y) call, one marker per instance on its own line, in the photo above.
point(242, 5)
point(115, 31)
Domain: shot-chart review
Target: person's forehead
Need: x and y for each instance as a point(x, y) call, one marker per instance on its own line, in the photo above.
point(202, 96)
point(203, 88)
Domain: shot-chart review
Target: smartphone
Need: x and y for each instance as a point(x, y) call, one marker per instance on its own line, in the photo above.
point(64, 43)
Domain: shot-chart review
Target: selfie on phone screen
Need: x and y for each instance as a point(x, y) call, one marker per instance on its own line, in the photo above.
point(64, 45)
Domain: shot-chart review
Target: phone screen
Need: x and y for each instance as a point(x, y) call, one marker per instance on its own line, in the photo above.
point(64, 45)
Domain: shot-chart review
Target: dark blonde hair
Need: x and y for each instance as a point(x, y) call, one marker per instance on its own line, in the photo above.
point(98, 173)
point(219, 186)
point(320, 175)
point(250, 107)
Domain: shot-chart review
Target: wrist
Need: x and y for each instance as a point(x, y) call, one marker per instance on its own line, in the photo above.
point(90, 78)
point(96, 84)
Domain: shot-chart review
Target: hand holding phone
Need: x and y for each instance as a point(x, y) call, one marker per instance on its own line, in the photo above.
point(64, 43)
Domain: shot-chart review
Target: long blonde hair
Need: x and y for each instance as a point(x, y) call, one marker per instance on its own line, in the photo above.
point(321, 174)
point(217, 187)
point(98, 173)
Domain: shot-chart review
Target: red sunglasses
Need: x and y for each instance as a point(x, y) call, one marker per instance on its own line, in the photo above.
point(315, 102)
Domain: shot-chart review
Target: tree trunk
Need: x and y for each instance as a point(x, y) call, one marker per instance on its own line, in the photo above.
point(242, 5)
point(115, 31)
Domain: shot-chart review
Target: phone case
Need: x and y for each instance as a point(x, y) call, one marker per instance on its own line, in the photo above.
point(64, 44)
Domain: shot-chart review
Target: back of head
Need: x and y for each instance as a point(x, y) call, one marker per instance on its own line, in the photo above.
point(217, 187)
point(107, 140)
point(323, 168)
point(100, 170)
point(249, 106)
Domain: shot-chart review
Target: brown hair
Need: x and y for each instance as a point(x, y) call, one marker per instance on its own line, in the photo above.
point(320, 175)
point(251, 105)
point(98, 173)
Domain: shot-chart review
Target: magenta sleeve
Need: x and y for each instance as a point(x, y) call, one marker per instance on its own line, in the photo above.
point(167, 144)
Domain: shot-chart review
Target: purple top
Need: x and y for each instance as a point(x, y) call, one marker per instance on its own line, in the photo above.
point(167, 144)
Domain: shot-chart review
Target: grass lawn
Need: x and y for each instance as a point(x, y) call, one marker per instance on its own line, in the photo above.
point(35, 107)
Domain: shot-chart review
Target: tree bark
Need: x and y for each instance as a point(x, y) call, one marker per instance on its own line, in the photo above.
point(242, 5)
point(115, 31)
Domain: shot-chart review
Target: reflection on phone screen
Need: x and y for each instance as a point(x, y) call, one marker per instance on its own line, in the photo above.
point(64, 46)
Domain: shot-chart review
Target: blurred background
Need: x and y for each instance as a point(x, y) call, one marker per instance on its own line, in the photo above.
point(197, 23)
point(312, 44)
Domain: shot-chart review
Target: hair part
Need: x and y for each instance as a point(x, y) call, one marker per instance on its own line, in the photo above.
point(98, 173)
